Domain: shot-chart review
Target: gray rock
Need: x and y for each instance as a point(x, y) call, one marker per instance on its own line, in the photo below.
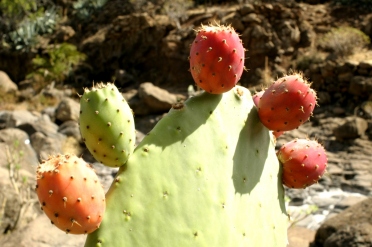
point(337, 227)
point(156, 99)
point(45, 146)
point(251, 18)
point(17, 142)
point(366, 107)
point(54, 95)
point(307, 34)
point(345, 77)
point(361, 86)
point(354, 127)
point(42, 124)
point(349, 201)
point(246, 9)
point(19, 202)
point(42, 233)
point(366, 64)
point(70, 128)
point(356, 235)
point(67, 109)
point(6, 84)
point(105, 174)
point(51, 112)
point(12, 119)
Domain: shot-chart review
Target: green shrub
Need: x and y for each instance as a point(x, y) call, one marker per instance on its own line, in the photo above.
point(57, 64)
point(17, 8)
point(83, 9)
point(24, 20)
point(25, 36)
point(344, 41)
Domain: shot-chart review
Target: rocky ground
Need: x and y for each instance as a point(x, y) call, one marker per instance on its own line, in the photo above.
point(33, 125)
point(28, 136)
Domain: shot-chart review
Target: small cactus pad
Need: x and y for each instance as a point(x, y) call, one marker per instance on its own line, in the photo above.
point(70, 194)
point(107, 124)
point(206, 175)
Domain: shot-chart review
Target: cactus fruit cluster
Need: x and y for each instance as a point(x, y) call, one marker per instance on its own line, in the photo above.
point(216, 58)
point(283, 106)
point(206, 175)
point(70, 194)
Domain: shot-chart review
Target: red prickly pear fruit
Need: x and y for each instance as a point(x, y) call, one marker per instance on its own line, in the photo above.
point(70, 194)
point(287, 103)
point(304, 163)
point(256, 97)
point(216, 58)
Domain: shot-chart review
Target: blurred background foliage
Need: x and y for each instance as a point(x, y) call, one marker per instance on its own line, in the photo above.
point(26, 24)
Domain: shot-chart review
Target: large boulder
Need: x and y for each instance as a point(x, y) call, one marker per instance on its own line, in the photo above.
point(352, 227)
point(6, 84)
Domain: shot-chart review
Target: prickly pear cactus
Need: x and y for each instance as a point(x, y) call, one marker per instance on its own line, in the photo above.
point(107, 124)
point(206, 175)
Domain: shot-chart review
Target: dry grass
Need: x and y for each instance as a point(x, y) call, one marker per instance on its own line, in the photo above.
point(344, 41)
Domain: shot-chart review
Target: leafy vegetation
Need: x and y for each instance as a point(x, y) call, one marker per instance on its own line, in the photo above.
point(57, 64)
point(14, 8)
point(24, 21)
point(83, 9)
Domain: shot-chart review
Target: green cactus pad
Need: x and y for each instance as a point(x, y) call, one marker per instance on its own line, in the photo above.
point(107, 125)
point(206, 175)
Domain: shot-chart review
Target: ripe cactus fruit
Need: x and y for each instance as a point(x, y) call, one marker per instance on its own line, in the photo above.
point(304, 163)
point(256, 99)
point(287, 103)
point(206, 175)
point(70, 194)
point(107, 124)
point(216, 58)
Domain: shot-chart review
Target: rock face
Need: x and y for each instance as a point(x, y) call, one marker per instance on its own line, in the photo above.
point(152, 47)
point(6, 84)
point(354, 127)
point(137, 47)
point(270, 30)
point(352, 227)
